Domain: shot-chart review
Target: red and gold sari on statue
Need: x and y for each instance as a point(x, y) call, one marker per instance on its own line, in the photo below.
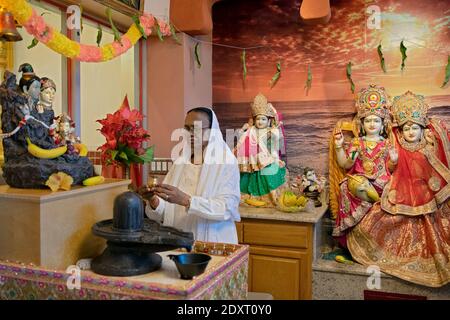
point(373, 165)
point(408, 234)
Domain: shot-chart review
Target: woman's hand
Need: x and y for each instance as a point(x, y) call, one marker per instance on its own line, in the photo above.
point(172, 194)
point(148, 194)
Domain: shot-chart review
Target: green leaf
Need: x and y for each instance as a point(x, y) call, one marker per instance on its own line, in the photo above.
point(99, 35)
point(114, 154)
point(158, 30)
point(403, 52)
point(380, 54)
point(137, 22)
point(81, 18)
point(197, 56)
point(33, 43)
point(113, 27)
point(349, 76)
point(276, 76)
point(148, 155)
point(244, 65)
point(123, 155)
point(308, 80)
point(174, 33)
point(447, 73)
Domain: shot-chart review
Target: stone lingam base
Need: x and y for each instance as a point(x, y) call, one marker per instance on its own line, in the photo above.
point(53, 229)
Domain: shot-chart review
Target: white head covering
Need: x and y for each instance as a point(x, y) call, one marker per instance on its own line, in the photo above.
point(219, 177)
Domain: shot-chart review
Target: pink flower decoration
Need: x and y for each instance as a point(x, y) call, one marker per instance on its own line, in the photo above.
point(164, 27)
point(147, 21)
point(89, 53)
point(45, 37)
point(36, 24)
point(121, 48)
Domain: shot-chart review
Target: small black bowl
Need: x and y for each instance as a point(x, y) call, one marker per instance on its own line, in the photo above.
point(190, 265)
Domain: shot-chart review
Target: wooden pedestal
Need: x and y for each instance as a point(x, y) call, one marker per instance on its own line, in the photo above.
point(53, 229)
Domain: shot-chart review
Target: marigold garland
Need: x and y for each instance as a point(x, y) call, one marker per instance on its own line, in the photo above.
point(36, 26)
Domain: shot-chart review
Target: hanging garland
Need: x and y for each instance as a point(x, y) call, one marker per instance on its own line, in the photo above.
point(36, 26)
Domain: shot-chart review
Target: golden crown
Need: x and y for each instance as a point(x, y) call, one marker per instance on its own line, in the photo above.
point(261, 106)
point(410, 107)
point(372, 101)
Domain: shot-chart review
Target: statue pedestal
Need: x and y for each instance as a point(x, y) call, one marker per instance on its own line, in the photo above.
point(53, 229)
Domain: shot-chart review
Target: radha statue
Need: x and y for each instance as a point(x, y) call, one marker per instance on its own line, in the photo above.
point(365, 161)
point(257, 151)
point(408, 234)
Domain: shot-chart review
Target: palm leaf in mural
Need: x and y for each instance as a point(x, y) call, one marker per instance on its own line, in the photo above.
point(244, 65)
point(197, 55)
point(308, 80)
point(349, 76)
point(403, 52)
point(380, 54)
point(447, 73)
point(276, 76)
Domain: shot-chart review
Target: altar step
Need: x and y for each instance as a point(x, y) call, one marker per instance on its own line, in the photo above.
point(337, 281)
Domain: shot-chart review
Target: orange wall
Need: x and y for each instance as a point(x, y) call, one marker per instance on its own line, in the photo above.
point(175, 84)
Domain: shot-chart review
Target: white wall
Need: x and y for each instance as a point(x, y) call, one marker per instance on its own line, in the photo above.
point(103, 86)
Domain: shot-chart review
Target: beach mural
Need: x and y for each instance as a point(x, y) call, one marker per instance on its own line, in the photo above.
point(309, 117)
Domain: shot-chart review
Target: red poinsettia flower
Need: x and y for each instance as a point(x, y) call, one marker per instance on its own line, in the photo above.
point(124, 137)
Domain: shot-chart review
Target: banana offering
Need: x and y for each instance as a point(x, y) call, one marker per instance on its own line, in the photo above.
point(92, 181)
point(255, 202)
point(289, 202)
point(82, 149)
point(38, 152)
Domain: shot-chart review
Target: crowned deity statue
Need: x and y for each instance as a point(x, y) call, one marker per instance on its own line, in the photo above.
point(30, 87)
point(47, 95)
point(364, 163)
point(64, 133)
point(257, 151)
point(31, 154)
point(407, 234)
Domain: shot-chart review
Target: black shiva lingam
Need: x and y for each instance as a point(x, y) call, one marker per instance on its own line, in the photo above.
point(133, 239)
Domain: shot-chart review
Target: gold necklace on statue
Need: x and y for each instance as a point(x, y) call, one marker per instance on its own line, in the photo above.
point(368, 161)
point(412, 146)
point(371, 144)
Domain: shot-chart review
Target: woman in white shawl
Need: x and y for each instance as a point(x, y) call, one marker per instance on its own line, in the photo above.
point(199, 194)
